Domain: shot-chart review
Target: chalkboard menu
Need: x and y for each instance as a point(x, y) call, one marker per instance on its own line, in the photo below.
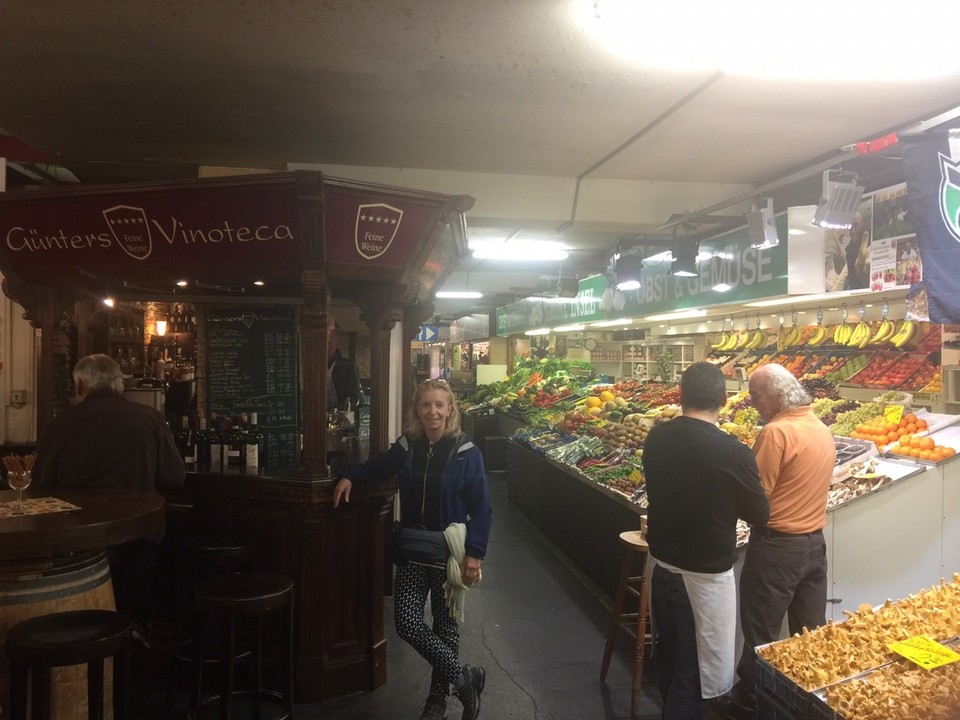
point(252, 364)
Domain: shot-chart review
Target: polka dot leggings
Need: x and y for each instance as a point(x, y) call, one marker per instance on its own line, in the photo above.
point(440, 645)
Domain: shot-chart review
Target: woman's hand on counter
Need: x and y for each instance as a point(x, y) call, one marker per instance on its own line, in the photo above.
point(342, 491)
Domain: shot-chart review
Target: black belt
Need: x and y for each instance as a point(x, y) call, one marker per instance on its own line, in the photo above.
point(770, 532)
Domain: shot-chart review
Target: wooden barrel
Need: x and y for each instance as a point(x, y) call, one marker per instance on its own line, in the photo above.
point(76, 582)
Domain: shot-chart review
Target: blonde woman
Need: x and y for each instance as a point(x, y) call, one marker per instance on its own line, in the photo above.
point(442, 481)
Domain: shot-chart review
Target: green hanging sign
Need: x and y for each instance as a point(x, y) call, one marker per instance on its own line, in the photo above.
point(727, 259)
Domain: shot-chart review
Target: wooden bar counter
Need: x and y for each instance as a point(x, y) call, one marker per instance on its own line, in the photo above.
point(335, 558)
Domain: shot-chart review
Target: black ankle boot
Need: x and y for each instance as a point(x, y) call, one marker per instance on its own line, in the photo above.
point(435, 709)
point(468, 688)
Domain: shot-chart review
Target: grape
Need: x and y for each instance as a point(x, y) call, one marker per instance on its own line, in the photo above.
point(846, 422)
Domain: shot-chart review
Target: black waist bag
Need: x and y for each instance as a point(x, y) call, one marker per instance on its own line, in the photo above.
point(420, 546)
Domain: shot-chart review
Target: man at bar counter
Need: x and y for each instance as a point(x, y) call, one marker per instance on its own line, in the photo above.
point(785, 568)
point(106, 441)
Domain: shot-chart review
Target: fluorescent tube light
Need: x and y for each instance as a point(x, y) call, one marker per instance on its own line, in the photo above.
point(459, 295)
point(793, 299)
point(568, 328)
point(612, 323)
point(678, 315)
point(538, 331)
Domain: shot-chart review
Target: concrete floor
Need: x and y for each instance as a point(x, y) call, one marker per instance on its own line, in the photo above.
point(533, 623)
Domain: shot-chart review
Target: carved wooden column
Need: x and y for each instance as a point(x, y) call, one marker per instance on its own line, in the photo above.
point(313, 332)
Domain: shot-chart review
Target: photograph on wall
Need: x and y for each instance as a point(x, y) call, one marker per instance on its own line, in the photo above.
point(891, 213)
point(847, 252)
point(909, 265)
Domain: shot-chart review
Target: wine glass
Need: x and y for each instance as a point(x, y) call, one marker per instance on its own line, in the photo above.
point(19, 480)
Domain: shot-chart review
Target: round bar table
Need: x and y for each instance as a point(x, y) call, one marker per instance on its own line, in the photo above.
point(57, 561)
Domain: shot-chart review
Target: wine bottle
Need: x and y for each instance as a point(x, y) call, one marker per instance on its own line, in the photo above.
point(253, 444)
point(233, 444)
point(216, 442)
point(186, 442)
point(204, 443)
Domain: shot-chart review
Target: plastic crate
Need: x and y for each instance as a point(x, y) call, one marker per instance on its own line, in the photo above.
point(783, 695)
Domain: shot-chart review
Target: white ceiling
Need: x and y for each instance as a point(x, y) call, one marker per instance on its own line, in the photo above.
point(510, 101)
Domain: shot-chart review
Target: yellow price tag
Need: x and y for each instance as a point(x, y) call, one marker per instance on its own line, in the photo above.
point(636, 477)
point(893, 413)
point(924, 652)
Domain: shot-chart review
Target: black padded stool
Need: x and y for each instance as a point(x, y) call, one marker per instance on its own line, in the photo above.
point(63, 639)
point(225, 602)
point(199, 556)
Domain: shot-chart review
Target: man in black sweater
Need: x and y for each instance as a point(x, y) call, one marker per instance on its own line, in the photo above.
point(699, 480)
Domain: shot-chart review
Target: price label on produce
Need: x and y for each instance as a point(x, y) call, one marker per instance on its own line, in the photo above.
point(924, 652)
point(893, 413)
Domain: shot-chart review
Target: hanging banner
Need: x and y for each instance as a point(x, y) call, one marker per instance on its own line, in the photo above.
point(932, 167)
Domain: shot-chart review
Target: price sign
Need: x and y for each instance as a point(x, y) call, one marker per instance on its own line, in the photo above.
point(893, 413)
point(925, 652)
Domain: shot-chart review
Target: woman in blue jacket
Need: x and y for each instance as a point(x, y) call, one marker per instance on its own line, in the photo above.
point(442, 481)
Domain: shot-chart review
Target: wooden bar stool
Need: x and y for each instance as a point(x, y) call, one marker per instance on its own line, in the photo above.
point(63, 639)
point(635, 624)
point(225, 602)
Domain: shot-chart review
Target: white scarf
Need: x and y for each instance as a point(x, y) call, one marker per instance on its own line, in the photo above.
point(455, 590)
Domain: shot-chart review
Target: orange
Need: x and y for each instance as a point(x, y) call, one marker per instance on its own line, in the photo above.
point(921, 424)
point(915, 452)
point(901, 431)
point(911, 428)
point(906, 440)
point(892, 436)
point(936, 455)
point(910, 417)
point(927, 443)
point(949, 452)
point(924, 455)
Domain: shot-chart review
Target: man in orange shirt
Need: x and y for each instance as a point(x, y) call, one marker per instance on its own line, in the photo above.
point(785, 569)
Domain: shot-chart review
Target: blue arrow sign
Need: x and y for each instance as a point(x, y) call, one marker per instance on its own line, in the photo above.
point(428, 333)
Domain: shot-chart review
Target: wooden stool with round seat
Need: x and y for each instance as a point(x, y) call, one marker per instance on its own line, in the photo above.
point(224, 603)
point(63, 639)
point(635, 624)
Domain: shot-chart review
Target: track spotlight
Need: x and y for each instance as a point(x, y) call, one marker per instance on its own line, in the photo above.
point(685, 258)
point(628, 272)
point(762, 227)
point(838, 203)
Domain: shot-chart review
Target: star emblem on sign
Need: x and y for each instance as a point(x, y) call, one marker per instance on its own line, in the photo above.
point(375, 229)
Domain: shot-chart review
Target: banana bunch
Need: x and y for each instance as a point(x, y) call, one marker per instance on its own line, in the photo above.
point(728, 341)
point(860, 336)
point(842, 333)
point(819, 336)
point(758, 340)
point(884, 332)
point(905, 334)
point(718, 345)
point(742, 340)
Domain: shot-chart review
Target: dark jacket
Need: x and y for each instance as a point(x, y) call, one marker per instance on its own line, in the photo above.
point(699, 480)
point(464, 496)
point(106, 441)
point(345, 380)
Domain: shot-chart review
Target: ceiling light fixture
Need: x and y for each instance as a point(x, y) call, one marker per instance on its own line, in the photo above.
point(807, 298)
point(538, 331)
point(568, 328)
point(181, 283)
point(459, 295)
point(161, 327)
point(628, 271)
point(678, 315)
point(838, 202)
point(722, 287)
point(109, 301)
point(685, 258)
point(258, 283)
point(762, 226)
point(612, 323)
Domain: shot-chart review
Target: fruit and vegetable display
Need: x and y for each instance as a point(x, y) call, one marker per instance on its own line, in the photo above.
point(921, 448)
